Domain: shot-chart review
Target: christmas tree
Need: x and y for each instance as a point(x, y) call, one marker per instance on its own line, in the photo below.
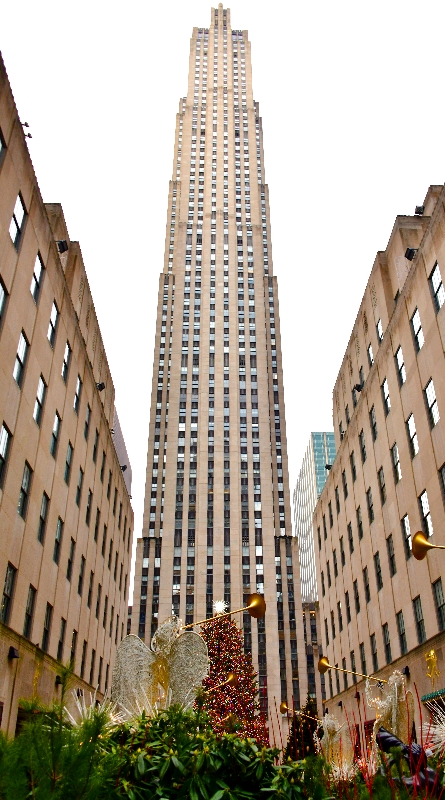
point(231, 708)
point(301, 734)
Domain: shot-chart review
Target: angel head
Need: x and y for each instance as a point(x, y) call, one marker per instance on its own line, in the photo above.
point(166, 635)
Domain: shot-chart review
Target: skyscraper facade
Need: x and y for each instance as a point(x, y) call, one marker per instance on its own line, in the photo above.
point(381, 609)
point(66, 520)
point(311, 479)
point(217, 507)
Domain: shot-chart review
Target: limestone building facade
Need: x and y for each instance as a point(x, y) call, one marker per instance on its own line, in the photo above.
point(217, 521)
point(66, 520)
point(380, 608)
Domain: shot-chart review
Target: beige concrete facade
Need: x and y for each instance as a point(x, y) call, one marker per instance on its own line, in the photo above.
point(66, 521)
point(217, 518)
point(381, 609)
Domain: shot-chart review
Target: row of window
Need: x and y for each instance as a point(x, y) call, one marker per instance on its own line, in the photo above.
point(439, 602)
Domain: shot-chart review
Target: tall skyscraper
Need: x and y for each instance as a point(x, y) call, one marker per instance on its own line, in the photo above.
point(311, 479)
point(217, 508)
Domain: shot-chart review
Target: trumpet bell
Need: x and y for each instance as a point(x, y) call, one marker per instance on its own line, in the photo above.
point(284, 707)
point(323, 665)
point(420, 546)
point(232, 680)
point(256, 605)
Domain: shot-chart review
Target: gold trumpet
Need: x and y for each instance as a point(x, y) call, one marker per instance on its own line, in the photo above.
point(421, 545)
point(231, 680)
point(284, 709)
point(256, 606)
point(324, 665)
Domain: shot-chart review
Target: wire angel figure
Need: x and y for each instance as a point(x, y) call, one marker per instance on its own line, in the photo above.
point(175, 665)
point(394, 711)
point(336, 748)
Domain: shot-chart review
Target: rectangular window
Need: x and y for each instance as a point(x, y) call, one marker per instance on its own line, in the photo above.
point(25, 489)
point(37, 278)
point(109, 484)
point(387, 642)
point(401, 371)
point(378, 571)
point(96, 524)
point(40, 399)
point(373, 423)
point(29, 612)
point(433, 408)
point(52, 327)
point(99, 592)
point(350, 538)
point(363, 658)
point(348, 607)
point(73, 648)
point(104, 540)
point(96, 442)
point(18, 221)
point(427, 523)
point(66, 362)
point(345, 674)
point(362, 442)
point(333, 624)
point(340, 617)
point(47, 627)
point(345, 484)
point(43, 518)
point(329, 574)
point(81, 576)
point(88, 509)
point(93, 659)
point(61, 642)
point(406, 533)
point(437, 287)
point(370, 505)
point(55, 435)
point(83, 659)
point(58, 541)
point(334, 558)
point(69, 567)
point(356, 597)
point(342, 552)
point(391, 555)
point(417, 330)
point(102, 468)
point(20, 359)
point(396, 463)
point(104, 619)
point(86, 429)
point(386, 397)
point(412, 435)
point(382, 485)
point(418, 616)
point(323, 589)
point(359, 523)
point(68, 463)
point(79, 486)
point(402, 633)
point(331, 518)
point(8, 592)
point(353, 467)
point(90, 589)
point(337, 500)
point(440, 603)
point(3, 300)
point(77, 395)
point(379, 329)
point(325, 533)
point(115, 502)
point(366, 585)
point(375, 661)
point(5, 442)
point(370, 356)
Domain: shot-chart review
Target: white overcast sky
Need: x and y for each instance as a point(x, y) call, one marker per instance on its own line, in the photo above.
point(351, 95)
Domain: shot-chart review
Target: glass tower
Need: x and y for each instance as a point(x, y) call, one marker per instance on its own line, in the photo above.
point(217, 507)
point(311, 479)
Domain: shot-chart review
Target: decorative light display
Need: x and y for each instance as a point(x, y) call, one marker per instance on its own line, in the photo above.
point(231, 708)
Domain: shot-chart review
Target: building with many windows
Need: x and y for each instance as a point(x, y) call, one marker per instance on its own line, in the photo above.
point(380, 608)
point(217, 508)
point(318, 458)
point(65, 516)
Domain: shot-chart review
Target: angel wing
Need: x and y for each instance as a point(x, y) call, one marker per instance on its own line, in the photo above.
point(188, 666)
point(133, 678)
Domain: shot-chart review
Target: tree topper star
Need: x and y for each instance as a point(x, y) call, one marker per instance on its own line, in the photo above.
point(220, 607)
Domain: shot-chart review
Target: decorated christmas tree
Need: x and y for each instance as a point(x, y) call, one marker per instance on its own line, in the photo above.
point(301, 733)
point(232, 707)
